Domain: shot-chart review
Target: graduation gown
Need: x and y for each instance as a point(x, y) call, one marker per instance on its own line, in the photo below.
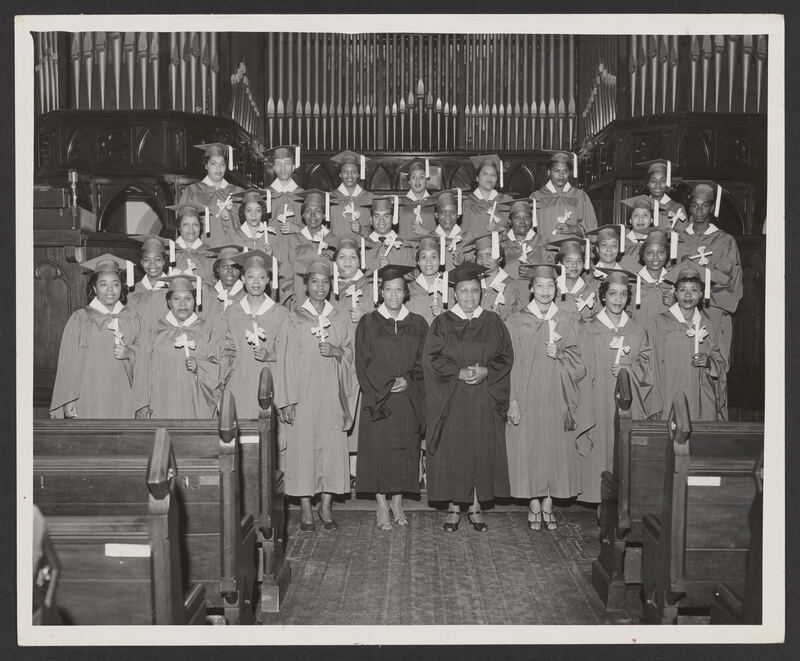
point(324, 391)
point(87, 370)
point(454, 242)
point(533, 245)
point(504, 294)
point(340, 216)
point(670, 210)
point(595, 429)
point(420, 297)
point(581, 301)
point(399, 254)
point(170, 389)
point(570, 205)
point(651, 304)
point(673, 349)
point(542, 458)
point(206, 194)
point(391, 424)
point(476, 209)
point(217, 299)
point(465, 435)
point(193, 260)
point(285, 202)
point(149, 301)
point(239, 370)
point(629, 260)
point(407, 217)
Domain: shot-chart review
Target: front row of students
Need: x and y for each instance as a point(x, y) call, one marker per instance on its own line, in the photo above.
point(510, 386)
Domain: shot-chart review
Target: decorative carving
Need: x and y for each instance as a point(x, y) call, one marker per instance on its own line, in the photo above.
point(79, 148)
point(733, 149)
point(522, 178)
point(52, 297)
point(114, 146)
point(380, 179)
point(695, 147)
point(150, 148)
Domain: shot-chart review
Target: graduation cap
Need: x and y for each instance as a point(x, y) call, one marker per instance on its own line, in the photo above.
point(488, 159)
point(393, 271)
point(259, 258)
point(623, 277)
point(542, 271)
point(427, 242)
point(313, 264)
point(521, 204)
point(251, 195)
point(445, 198)
point(284, 151)
point(347, 156)
point(416, 164)
point(108, 263)
point(151, 242)
point(695, 271)
point(228, 253)
point(464, 271)
point(211, 149)
point(491, 240)
point(573, 244)
point(183, 282)
point(189, 210)
point(605, 232)
point(314, 197)
point(386, 203)
point(706, 190)
point(659, 165)
point(567, 158)
point(639, 202)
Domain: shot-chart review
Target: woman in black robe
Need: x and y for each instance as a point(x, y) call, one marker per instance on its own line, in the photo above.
point(467, 366)
point(389, 343)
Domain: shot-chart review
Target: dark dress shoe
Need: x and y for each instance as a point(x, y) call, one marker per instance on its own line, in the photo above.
point(306, 527)
point(452, 527)
point(327, 525)
point(480, 526)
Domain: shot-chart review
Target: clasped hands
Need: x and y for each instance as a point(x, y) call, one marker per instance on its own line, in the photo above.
point(473, 375)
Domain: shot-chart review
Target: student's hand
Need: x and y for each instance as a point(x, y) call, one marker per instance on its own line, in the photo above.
point(524, 271)
point(329, 350)
point(143, 413)
point(615, 369)
point(477, 374)
point(436, 308)
point(122, 351)
point(552, 349)
point(400, 384)
point(356, 314)
point(355, 226)
point(288, 228)
point(513, 415)
point(223, 214)
point(286, 414)
point(260, 353)
point(70, 410)
point(458, 258)
point(668, 296)
point(701, 360)
point(561, 228)
point(191, 364)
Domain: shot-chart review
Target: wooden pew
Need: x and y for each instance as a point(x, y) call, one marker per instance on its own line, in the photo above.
point(635, 487)
point(728, 605)
point(46, 572)
point(701, 536)
point(219, 549)
point(126, 569)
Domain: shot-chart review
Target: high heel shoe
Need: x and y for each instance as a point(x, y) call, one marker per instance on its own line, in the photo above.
point(452, 526)
point(328, 525)
point(535, 520)
point(549, 520)
point(384, 524)
point(480, 526)
point(307, 527)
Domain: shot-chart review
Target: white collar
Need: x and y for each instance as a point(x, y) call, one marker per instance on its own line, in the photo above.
point(675, 309)
point(145, 282)
point(308, 307)
point(412, 196)
point(97, 305)
point(237, 287)
point(456, 310)
point(578, 287)
point(512, 237)
point(477, 193)
point(197, 243)
point(356, 192)
point(356, 277)
point(174, 322)
point(631, 236)
point(323, 231)
point(391, 235)
point(423, 282)
point(709, 230)
point(644, 274)
point(665, 199)
point(497, 280)
point(264, 307)
point(604, 319)
point(222, 184)
point(549, 186)
point(279, 187)
point(453, 232)
point(533, 308)
point(384, 312)
point(248, 232)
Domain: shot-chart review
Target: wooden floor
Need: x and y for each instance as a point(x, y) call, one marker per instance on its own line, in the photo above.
point(422, 575)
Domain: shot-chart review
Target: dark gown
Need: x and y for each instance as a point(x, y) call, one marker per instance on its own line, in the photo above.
point(465, 436)
point(391, 424)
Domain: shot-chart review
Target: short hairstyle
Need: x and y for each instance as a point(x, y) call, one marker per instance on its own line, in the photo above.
point(241, 211)
point(601, 294)
point(215, 268)
point(90, 295)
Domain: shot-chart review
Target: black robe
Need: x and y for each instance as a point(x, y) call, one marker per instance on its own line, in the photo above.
point(391, 424)
point(466, 423)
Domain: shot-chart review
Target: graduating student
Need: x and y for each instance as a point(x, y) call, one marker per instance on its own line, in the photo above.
point(252, 230)
point(522, 244)
point(467, 363)
point(214, 192)
point(542, 459)
point(250, 329)
point(192, 256)
point(564, 208)
point(348, 200)
point(389, 344)
point(577, 296)
point(315, 394)
point(228, 288)
point(707, 245)
point(658, 183)
point(607, 249)
point(686, 345)
point(640, 219)
point(448, 232)
point(656, 295)
point(148, 297)
point(181, 358)
point(482, 210)
point(501, 293)
point(609, 341)
point(97, 359)
point(285, 202)
point(414, 217)
point(388, 248)
point(427, 293)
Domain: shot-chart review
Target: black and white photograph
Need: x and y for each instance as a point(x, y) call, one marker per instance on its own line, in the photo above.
point(347, 329)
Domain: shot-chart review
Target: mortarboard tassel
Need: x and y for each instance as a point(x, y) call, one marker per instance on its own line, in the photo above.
point(495, 245)
point(296, 156)
point(534, 222)
point(458, 201)
point(669, 173)
point(198, 285)
point(269, 201)
point(275, 277)
point(707, 292)
point(638, 290)
point(575, 165)
point(587, 254)
point(327, 206)
point(501, 174)
point(363, 168)
point(335, 279)
point(622, 237)
point(673, 246)
point(394, 210)
point(655, 213)
point(445, 285)
point(363, 253)
point(375, 286)
point(230, 157)
point(442, 248)
point(427, 169)
point(171, 251)
point(718, 201)
point(129, 273)
point(206, 222)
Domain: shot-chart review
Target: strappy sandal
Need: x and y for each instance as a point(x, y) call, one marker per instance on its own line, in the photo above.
point(535, 520)
point(452, 526)
point(549, 520)
point(480, 526)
